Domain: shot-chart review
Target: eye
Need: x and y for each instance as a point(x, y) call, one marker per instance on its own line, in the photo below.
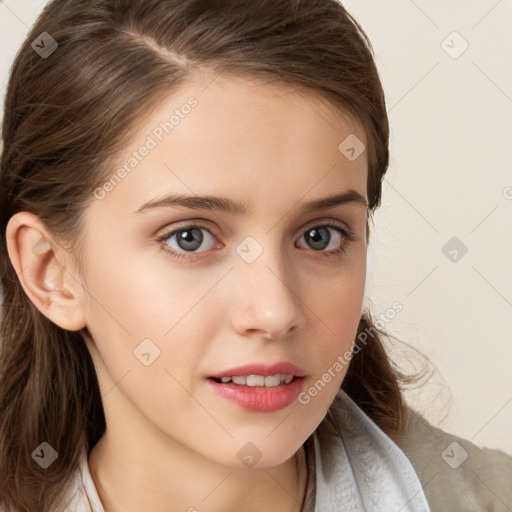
point(319, 238)
point(189, 238)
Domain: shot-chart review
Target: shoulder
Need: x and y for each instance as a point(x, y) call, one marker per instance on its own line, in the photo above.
point(455, 474)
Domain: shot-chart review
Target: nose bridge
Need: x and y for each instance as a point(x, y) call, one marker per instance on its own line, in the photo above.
point(268, 301)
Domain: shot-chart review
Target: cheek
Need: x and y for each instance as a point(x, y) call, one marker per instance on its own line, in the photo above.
point(339, 301)
point(337, 311)
point(142, 313)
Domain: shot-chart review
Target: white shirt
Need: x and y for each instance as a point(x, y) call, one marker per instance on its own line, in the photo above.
point(353, 466)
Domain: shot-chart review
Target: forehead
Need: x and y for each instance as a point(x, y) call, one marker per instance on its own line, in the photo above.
point(242, 137)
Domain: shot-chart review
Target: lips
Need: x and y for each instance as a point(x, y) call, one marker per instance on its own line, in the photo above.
point(264, 370)
point(258, 399)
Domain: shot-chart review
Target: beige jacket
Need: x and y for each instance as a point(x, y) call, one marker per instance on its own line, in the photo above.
point(456, 475)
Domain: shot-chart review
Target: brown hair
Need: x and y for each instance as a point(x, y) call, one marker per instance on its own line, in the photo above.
point(66, 118)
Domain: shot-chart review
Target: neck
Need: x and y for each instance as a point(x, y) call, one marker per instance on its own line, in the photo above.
point(135, 479)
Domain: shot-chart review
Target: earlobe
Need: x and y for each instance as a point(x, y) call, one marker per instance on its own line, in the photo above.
point(40, 264)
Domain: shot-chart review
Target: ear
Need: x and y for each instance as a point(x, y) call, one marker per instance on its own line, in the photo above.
point(43, 268)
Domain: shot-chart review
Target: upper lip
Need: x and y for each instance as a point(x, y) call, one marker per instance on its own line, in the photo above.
point(265, 370)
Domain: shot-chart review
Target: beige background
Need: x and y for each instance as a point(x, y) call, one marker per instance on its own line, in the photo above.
point(450, 176)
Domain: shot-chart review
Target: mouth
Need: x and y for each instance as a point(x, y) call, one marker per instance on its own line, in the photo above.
point(258, 393)
point(268, 381)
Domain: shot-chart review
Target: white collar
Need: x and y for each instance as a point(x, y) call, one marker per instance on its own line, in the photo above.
point(358, 468)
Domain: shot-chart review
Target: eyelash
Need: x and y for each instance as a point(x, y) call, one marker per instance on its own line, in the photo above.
point(347, 234)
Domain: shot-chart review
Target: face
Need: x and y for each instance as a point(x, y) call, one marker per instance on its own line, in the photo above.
point(179, 293)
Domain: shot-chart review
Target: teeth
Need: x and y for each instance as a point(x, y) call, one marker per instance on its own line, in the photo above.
point(258, 380)
point(270, 381)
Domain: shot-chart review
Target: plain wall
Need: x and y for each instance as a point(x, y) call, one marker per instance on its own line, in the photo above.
point(450, 176)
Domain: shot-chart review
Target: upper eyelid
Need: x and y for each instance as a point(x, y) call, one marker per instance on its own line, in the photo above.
point(183, 225)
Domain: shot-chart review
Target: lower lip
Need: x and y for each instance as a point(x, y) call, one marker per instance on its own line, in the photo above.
point(259, 398)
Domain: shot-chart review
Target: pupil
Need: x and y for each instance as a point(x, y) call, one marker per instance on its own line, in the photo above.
point(190, 239)
point(317, 240)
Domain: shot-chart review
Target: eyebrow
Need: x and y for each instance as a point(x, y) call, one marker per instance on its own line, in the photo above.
point(225, 205)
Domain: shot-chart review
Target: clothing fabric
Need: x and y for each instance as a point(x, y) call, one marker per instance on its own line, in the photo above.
point(353, 466)
point(456, 475)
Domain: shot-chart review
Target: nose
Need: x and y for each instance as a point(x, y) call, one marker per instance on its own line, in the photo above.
point(266, 303)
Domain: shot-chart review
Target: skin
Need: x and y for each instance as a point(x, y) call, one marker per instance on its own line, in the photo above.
point(171, 444)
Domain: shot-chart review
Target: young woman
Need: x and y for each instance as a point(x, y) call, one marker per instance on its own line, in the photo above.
point(186, 190)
